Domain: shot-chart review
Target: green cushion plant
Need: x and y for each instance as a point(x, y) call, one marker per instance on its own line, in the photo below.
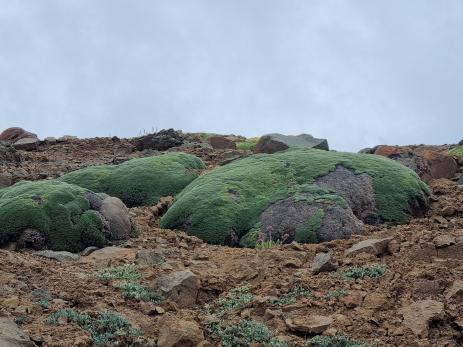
point(230, 199)
point(140, 181)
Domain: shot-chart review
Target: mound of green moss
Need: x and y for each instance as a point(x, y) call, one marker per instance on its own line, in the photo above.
point(229, 201)
point(58, 211)
point(140, 181)
point(457, 151)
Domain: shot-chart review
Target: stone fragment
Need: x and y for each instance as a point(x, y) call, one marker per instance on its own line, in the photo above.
point(272, 143)
point(309, 324)
point(373, 246)
point(175, 332)
point(418, 315)
point(322, 263)
point(60, 256)
point(11, 335)
point(181, 287)
point(445, 240)
point(455, 291)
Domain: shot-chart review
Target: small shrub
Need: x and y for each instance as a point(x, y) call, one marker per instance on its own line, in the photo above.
point(336, 294)
point(106, 329)
point(291, 297)
point(139, 292)
point(247, 145)
point(21, 319)
point(334, 341)
point(125, 272)
point(238, 298)
point(360, 272)
point(248, 332)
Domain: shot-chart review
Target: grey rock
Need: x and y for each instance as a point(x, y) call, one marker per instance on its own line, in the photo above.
point(27, 144)
point(356, 189)
point(373, 246)
point(32, 239)
point(11, 335)
point(118, 217)
point(88, 251)
point(287, 218)
point(182, 287)
point(161, 140)
point(272, 143)
point(94, 199)
point(60, 256)
point(50, 139)
point(67, 138)
point(460, 181)
point(322, 263)
point(5, 180)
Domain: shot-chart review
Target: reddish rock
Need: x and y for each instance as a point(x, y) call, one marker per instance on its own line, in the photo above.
point(372, 246)
point(312, 324)
point(419, 315)
point(174, 332)
point(12, 135)
point(221, 142)
point(440, 165)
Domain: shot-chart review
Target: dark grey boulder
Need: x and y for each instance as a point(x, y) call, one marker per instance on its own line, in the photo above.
point(296, 217)
point(356, 189)
point(272, 143)
point(9, 155)
point(161, 140)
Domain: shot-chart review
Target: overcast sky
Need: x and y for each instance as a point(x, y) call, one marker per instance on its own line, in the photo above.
point(358, 73)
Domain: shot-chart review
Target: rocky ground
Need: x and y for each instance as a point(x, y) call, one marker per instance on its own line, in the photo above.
point(397, 285)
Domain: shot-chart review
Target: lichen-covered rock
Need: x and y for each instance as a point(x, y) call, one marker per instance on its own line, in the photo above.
point(304, 194)
point(272, 143)
point(140, 181)
point(50, 214)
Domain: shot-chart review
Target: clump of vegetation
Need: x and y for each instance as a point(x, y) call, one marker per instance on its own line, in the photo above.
point(127, 279)
point(457, 151)
point(44, 304)
point(126, 272)
point(248, 332)
point(336, 294)
point(137, 291)
point(58, 211)
point(359, 272)
point(248, 144)
point(238, 298)
point(291, 297)
point(234, 196)
point(334, 341)
point(140, 181)
point(106, 329)
point(267, 244)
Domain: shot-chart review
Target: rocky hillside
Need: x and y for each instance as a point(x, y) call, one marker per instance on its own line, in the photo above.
point(386, 284)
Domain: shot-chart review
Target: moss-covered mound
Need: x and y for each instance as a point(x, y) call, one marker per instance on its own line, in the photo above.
point(457, 151)
point(223, 205)
point(57, 213)
point(140, 181)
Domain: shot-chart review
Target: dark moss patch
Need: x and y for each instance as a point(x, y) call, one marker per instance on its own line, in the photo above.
point(140, 181)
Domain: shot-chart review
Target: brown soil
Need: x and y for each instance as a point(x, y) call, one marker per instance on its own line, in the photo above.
point(370, 312)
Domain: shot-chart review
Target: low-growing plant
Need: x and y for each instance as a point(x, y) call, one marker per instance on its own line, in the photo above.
point(457, 151)
point(268, 244)
point(106, 329)
point(336, 294)
point(247, 145)
point(44, 303)
point(359, 272)
point(21, 319)
point(137, 291)
point(334, 341)
point(247, 332)
point(291, 297)
point(237, 298)
point(126, 272)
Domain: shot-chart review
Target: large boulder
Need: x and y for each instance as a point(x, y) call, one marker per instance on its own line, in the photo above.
point(161, 140)
point(11, 335)
point(27, 144)
point(221, 142)
point(140, 181)
point(272, 143)
point(427, 163)
point(306, 195)
point(13, 135)
point(55, 215)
